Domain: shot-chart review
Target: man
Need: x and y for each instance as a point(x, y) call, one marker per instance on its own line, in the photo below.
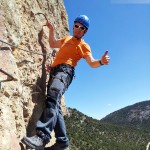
point(72, 49)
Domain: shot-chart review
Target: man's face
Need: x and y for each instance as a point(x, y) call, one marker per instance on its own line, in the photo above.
point(79, 30)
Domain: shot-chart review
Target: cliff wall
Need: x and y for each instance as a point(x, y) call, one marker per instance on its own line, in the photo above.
point(24, 51)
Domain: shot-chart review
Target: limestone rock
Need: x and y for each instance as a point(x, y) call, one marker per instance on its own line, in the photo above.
point(22, 97)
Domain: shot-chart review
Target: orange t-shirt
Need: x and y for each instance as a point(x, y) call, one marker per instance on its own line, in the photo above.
point(71, 51)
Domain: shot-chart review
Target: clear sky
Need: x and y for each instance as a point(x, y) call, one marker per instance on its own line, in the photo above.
point(122, 27)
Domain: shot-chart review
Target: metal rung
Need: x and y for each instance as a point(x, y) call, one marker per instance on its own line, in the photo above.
point(5, 48)
point(9, 77)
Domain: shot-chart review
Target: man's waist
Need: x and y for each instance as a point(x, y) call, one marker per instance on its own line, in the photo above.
point(63, 65)
point(63, 68)
point(68, 61)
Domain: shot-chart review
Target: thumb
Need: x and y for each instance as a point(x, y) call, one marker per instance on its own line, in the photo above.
point(106, 52)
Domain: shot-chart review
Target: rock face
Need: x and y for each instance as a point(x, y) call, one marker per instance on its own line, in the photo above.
point(22, 64)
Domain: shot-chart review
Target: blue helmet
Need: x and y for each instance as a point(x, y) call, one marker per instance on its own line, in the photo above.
point(84, 20)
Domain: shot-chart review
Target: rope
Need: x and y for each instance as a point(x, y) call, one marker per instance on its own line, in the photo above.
point(23, 49)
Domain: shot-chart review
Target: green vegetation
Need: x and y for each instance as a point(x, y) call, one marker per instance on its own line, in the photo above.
point(86, 133)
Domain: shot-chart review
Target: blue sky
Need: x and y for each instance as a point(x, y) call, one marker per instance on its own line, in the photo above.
point(122, 27)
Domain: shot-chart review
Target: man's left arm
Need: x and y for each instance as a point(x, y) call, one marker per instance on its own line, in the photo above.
point(94, 63)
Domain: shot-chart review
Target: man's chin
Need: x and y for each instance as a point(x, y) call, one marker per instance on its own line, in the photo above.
point(77, 37)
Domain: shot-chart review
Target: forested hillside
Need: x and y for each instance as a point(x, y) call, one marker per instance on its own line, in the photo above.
point(86, 133)
point(137, 115)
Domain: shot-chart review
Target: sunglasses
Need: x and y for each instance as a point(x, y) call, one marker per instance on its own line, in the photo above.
point(80, 27)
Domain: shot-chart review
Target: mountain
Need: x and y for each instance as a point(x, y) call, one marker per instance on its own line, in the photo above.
point(86, 133)
point(137, 115)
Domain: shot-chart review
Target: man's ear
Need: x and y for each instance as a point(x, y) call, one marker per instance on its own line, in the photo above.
point(85, 31)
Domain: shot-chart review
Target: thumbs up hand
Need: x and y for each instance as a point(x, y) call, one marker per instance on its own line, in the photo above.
point(105, 58)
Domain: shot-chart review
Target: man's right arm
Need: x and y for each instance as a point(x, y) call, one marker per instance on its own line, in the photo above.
point(53, 42)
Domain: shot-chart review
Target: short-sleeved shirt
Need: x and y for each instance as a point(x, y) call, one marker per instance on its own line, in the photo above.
point(71, 51)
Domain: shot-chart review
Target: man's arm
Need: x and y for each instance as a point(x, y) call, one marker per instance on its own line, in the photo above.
point(53, 42)
point(97, 63)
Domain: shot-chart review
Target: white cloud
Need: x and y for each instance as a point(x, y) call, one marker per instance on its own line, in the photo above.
point(109, 105)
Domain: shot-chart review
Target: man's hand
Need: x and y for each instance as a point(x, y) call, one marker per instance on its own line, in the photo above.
point(47, 68)
point(105, 58)
point(53, 42)
point(49, 25)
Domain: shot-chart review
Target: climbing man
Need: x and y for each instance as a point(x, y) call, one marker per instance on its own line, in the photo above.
point(71, 50)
